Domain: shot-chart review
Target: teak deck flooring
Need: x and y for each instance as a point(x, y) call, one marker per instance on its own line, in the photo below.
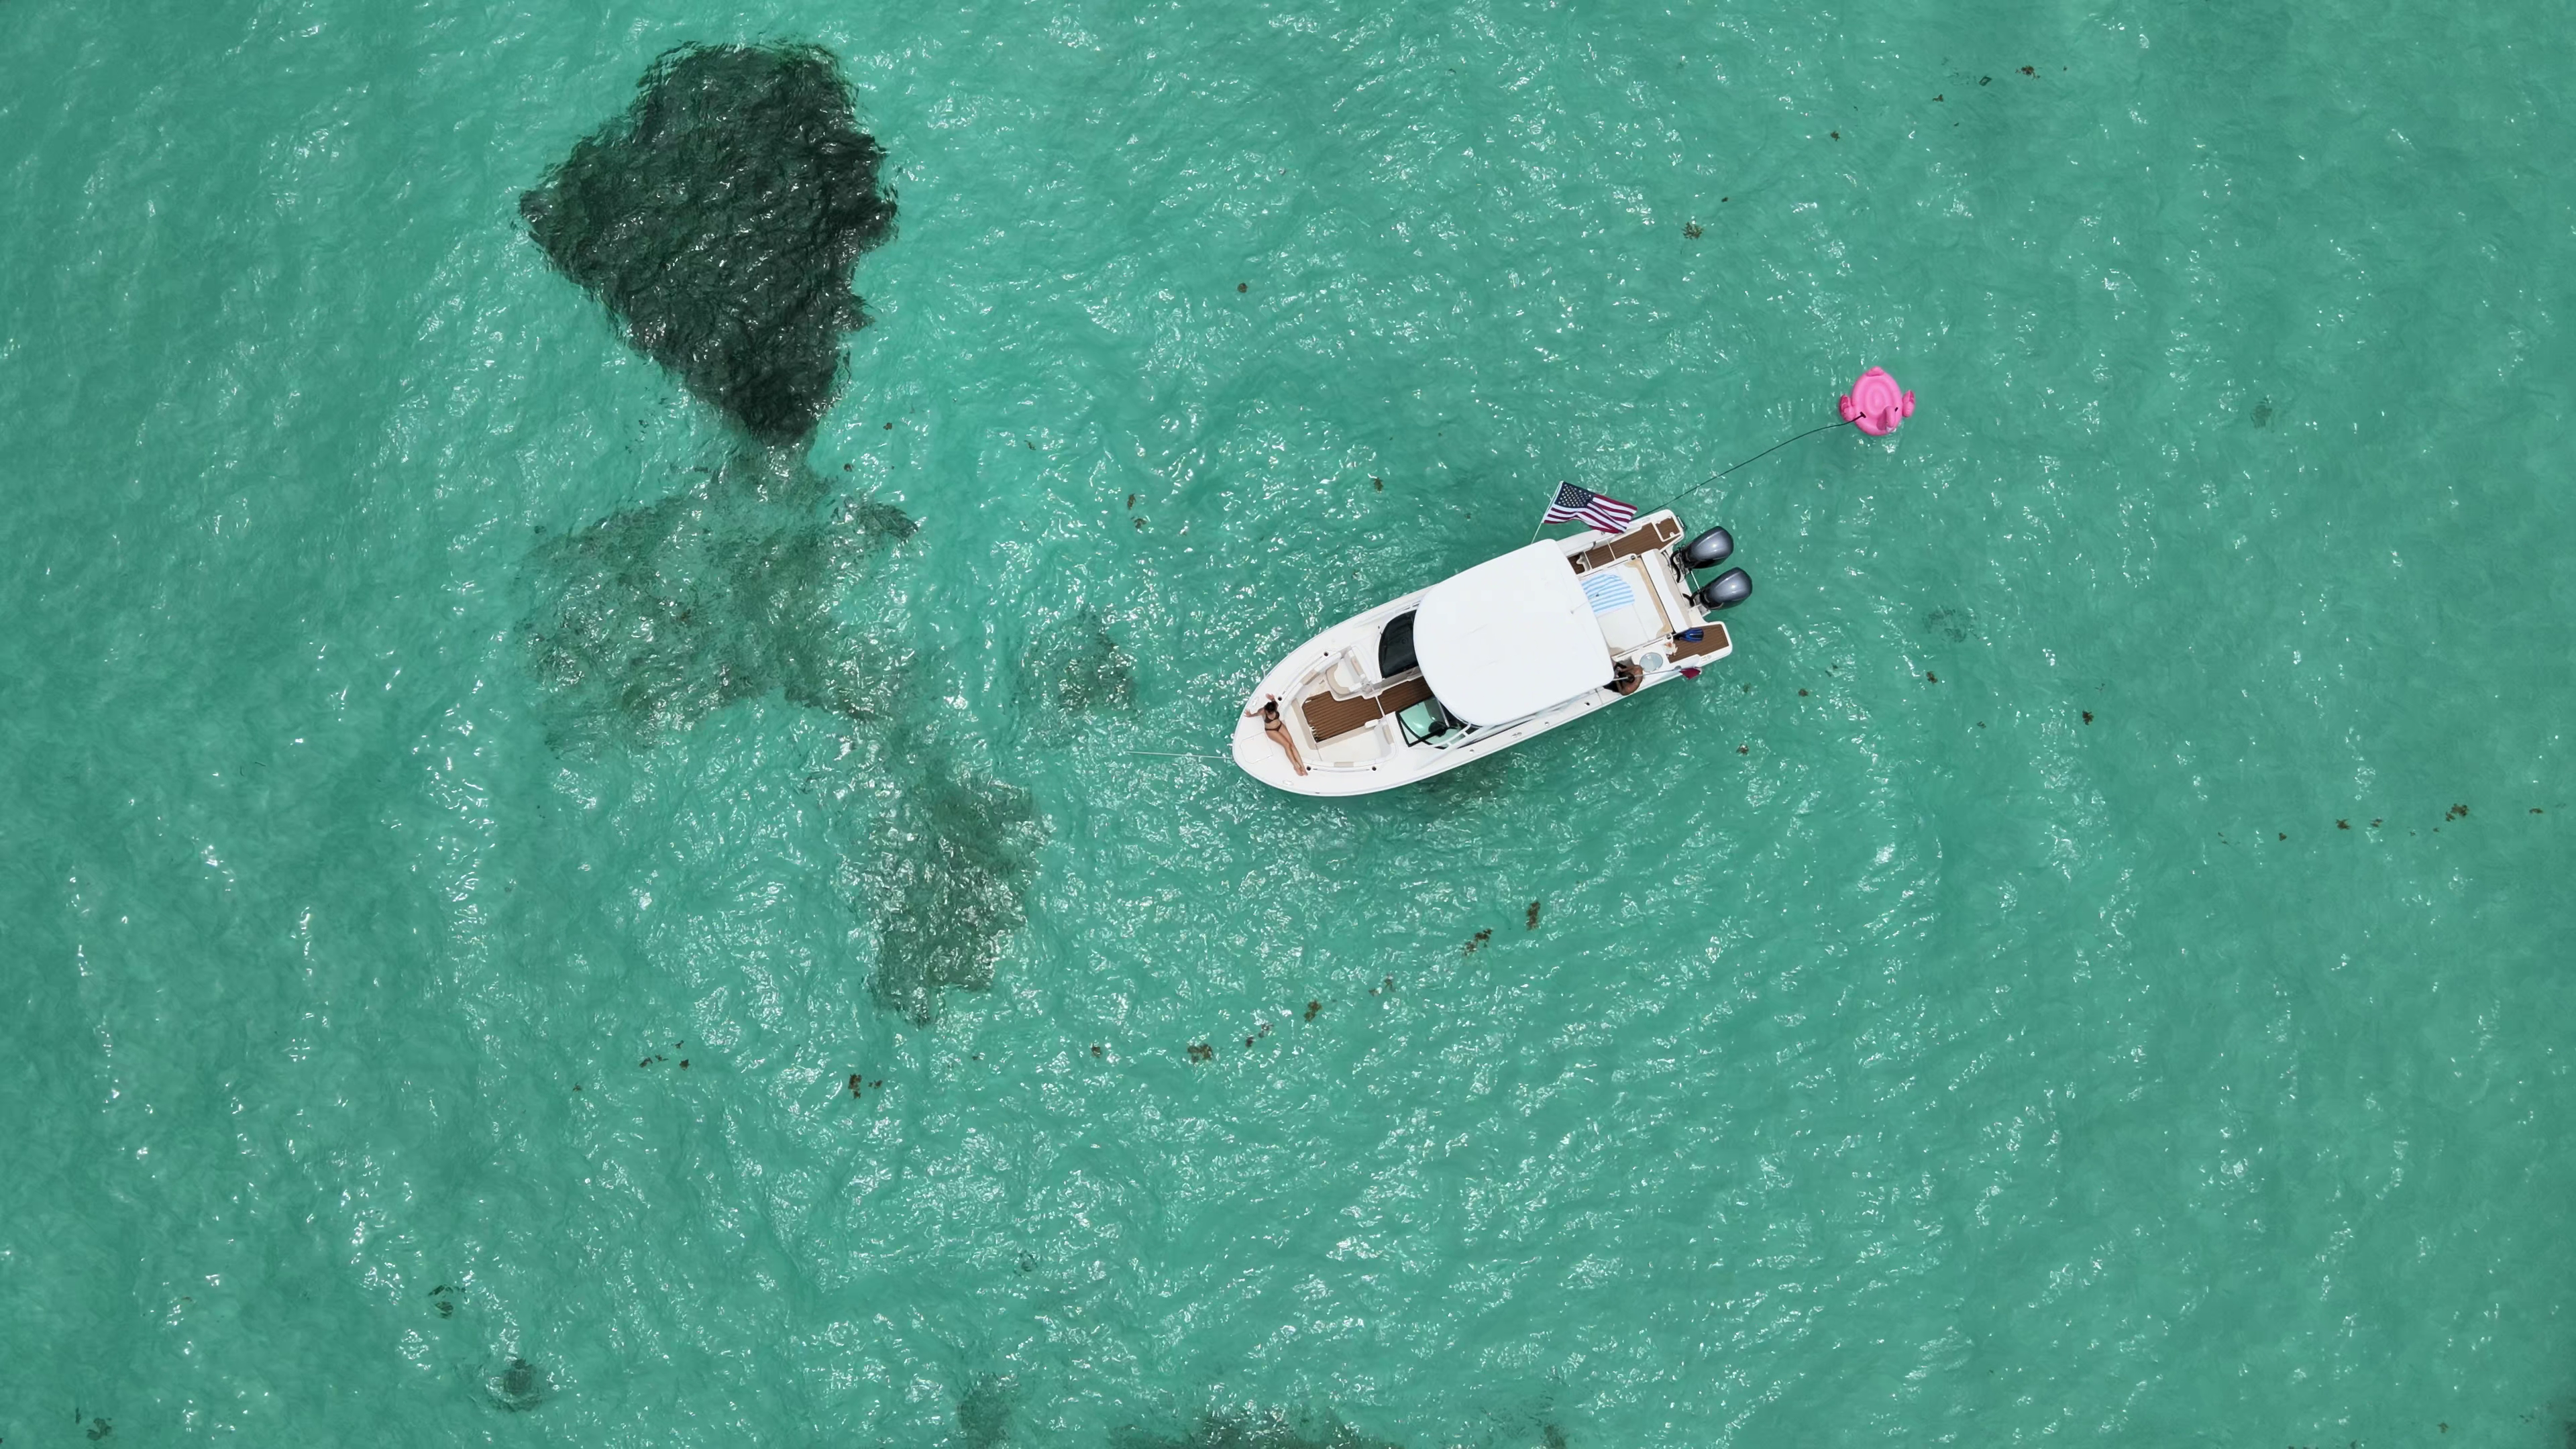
point(1645, 540)
point(1331, 718)
point(1717, 639)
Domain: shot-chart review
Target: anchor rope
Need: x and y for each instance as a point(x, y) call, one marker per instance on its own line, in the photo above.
point(1756, 458)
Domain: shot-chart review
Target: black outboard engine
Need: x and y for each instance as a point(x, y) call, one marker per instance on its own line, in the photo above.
point(1706, 551)
point(1726, 591)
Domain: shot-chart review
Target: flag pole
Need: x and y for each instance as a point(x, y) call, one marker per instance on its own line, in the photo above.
point(1542, 514)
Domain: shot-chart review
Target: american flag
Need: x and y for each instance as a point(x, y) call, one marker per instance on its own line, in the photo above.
point(1600, 510)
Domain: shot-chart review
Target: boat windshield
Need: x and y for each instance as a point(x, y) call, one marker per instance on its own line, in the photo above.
point(1429, 724)
point(1461, 733)
point(1426, 723)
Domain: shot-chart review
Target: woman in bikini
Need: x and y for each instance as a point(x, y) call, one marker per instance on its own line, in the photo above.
point(1277, 728)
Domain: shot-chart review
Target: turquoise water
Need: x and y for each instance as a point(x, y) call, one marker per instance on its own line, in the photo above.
point(2092, 966)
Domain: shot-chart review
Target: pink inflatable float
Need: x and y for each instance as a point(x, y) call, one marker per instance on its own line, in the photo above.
point(1875, 405)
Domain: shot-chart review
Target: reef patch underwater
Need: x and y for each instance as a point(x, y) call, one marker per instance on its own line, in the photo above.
point(1077, 665)
point(1257, 1429)
point(654, 617)
point(719, 220)
point(947, 880)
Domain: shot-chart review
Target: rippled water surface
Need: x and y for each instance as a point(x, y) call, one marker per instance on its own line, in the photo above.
point(543, 901)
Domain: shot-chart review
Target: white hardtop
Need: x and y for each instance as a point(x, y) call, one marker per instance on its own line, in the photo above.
point(1510, 637)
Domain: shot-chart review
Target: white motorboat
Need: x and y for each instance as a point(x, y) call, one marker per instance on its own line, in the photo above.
point(1488, 658)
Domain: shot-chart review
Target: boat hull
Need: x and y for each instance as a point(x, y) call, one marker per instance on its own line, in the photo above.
point(1328, 687)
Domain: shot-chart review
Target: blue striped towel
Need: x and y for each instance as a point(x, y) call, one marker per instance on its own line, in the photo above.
point(1608, 592)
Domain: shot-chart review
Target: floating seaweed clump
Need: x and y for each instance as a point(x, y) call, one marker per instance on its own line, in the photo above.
point(1275, 1429)
point(655, 617)
point(719, 220)
point(950, 885)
